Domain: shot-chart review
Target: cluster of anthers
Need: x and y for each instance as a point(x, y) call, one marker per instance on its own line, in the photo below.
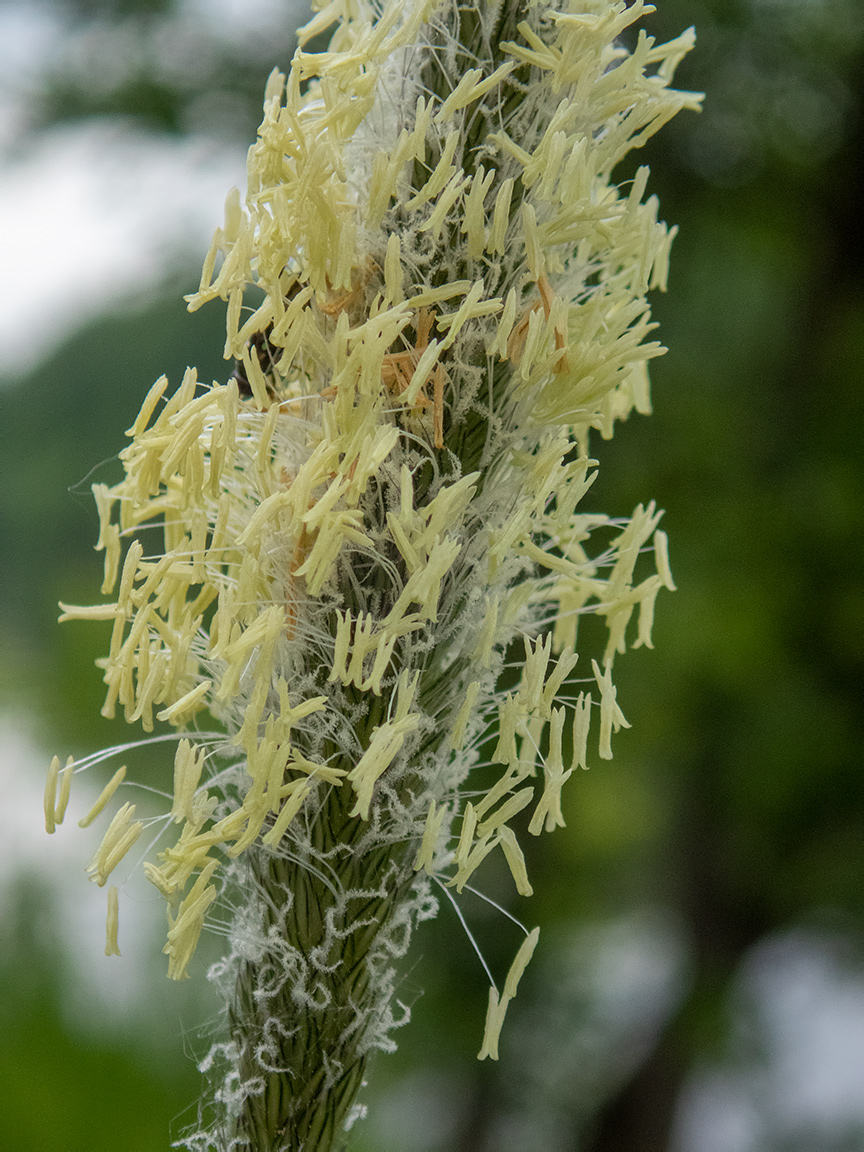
point(382, 509)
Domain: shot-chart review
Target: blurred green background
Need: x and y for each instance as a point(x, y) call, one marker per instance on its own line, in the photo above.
point(699, 985)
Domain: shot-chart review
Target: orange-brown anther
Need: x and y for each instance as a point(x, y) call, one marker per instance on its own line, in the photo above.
point(548, 298)
point(397, 368)
point(439, 378)
point(516, 339)
point(344, 301)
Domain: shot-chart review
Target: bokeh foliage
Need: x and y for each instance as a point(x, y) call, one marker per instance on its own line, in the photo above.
point(734, 809)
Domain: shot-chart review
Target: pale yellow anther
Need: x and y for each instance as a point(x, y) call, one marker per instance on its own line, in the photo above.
point(88, 612)
point(263, 451)
point(148, 407)
point(406, 494)
point(611, 716)
point(184, 444)
point(534, 671)
point(50, 798)
point(65, 786)
point(564, 666)
point(233, 215)
point(506, 812)
point(486, 640)
point(127, 576)
point(393, 270)
point(383, 655)
point(498, 791)
point(116, 842)
point(555, 755)
point(406, 690)
point(276, 503)
point(474, 221)
point(112, 948)
point(500, 218)
point(548, 811)
point(581, 726)
point(505, 327)
point(540, 54)
point(457, 736)
point(362, 643)
point(181, 397)
point(256, 809)
point(647, 597)
point(431, 834)
point(479, 851)
point(384, 746)
point(533, 247)
point(400, 538)
point(341, 528)
point(441, 173)
point(422, 124)
point(532, 736)
point(470, 88)
point(435, 220)
point(510, 711)
point(300, 790)
point(187, 705)
point(188, 764)
point(186, 927)
point(466, 836)
point(104, 797)
point(255, 375)
point(661, 559)
point(495, 1013)
point(444, 512)
point(424, 586)
point(436, 295)
point(520, 963)
point(422, 371)
point(471, 308)
point(342, 644)
point(160, 880)
point(112, 558)
point(515, 860)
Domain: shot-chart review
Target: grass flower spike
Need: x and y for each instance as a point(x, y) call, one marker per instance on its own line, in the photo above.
point(435, 291)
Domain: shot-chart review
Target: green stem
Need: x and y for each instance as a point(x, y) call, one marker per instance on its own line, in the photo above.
point(317, 1045)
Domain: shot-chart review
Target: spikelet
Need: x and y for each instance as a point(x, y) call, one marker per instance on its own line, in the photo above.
point(434, 293)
